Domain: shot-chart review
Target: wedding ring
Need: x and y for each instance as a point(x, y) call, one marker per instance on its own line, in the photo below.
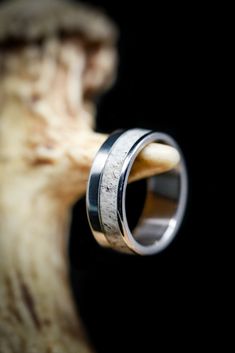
point(165, 201)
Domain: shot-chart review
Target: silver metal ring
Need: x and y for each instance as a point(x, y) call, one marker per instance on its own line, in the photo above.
point(106, 196)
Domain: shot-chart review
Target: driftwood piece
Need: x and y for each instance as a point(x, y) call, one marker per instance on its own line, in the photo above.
point(54, 57)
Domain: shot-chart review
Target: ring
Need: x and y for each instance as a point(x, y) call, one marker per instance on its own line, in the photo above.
point(165, 199)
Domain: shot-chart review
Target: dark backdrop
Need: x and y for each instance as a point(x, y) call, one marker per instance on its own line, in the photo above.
point(166, 81)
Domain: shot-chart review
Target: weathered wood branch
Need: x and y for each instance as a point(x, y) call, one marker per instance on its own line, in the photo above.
point(53, 58)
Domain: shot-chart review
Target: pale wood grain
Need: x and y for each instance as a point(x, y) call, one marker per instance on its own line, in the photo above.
point(47, 145)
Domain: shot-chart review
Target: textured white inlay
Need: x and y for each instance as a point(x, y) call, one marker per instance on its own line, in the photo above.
point(110, 181)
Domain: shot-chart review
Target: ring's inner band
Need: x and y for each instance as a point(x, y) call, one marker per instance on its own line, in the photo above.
point(159, 207)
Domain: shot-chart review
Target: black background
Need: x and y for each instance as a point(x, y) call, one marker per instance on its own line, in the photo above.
point(167, 80)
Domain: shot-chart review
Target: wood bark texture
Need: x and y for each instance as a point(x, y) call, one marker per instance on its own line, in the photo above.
point(50, 70)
